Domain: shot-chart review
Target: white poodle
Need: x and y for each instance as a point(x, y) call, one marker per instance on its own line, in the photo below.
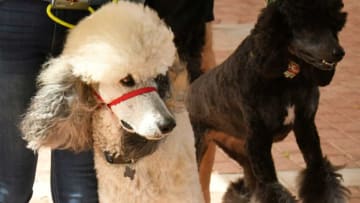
point(118, 87)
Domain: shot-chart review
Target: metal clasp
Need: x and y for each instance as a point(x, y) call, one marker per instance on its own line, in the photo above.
point(70, 4)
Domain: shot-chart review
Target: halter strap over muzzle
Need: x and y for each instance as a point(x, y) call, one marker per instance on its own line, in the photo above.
point(126, 96)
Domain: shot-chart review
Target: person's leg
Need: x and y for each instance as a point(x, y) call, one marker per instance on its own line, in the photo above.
point(22, 42)
point(17, 169)
point(208, 56)
point(73, 177)
point(27, 37)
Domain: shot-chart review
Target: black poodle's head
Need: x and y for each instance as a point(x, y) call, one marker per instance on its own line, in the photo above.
point(314, 27)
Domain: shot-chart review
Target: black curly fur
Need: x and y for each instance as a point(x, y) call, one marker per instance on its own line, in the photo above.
point(327, 188)
point(297, 13)
point(187, 20)
point(271, 193)
point(136, 147)
point(248, 97)
point(237, 193)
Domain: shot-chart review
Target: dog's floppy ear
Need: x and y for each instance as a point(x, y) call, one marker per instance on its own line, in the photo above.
point(59, 115)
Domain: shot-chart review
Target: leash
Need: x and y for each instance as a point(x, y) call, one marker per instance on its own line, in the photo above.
point(62, 22)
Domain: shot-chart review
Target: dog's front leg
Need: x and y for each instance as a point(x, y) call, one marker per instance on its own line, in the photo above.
point(318, 182)
point(268, 189)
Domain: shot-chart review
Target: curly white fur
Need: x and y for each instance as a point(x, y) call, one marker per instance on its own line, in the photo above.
point(135, 41)
point(117, 40)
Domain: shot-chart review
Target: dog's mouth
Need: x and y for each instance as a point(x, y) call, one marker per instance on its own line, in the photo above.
point(127, 127)
point(333, 64)
point(156, 137)
point(133, 148)
point(320, 64)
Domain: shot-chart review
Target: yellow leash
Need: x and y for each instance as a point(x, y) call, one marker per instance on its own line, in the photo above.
point(62, 22)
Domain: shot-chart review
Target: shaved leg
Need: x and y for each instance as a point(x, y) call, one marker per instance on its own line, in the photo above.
point(235, 149)
point(205, 169)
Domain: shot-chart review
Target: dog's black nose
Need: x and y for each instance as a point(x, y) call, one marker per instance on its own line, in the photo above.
point(166, 125)
point(338, 53)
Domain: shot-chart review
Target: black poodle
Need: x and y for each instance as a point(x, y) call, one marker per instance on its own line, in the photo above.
point(268, 87)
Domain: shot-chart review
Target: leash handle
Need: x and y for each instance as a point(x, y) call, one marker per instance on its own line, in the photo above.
point(58, 20)
point(62, 22)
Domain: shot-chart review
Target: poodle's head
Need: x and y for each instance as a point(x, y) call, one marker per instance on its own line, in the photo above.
point(125, 50)
point(120, 57)
point(314, 27)
point(139, 106)
point(137, 126)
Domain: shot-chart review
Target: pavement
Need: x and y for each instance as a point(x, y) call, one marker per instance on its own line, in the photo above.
point(338, 117)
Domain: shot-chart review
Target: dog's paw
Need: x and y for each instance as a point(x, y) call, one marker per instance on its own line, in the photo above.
point(323, 185)
point(237, 193)
point(272, 193)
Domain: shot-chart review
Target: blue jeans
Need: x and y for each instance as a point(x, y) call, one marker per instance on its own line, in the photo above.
point(27, 39)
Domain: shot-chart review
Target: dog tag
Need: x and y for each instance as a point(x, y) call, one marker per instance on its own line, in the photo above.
point(129, 172)
point(292, 71)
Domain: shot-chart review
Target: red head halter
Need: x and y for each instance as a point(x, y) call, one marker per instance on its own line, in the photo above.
point(126, 96)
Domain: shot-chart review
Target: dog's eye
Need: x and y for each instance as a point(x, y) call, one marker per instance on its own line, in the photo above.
point(163, 85)
point(128, 81)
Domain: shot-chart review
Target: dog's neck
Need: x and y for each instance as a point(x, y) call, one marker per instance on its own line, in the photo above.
point(128, 159)
point(128, 162)
point(118, 146)
point(134, 147)
point(121, 159)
